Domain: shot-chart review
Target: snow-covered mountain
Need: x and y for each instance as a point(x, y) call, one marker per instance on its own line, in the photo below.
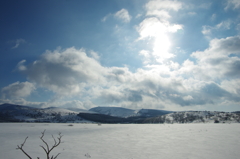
point(124, 112)
point(196, 117)
point(114, 111)
point(18, 113)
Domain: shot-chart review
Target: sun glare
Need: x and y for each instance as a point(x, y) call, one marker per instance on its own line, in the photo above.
point(156, 29)
point(161, 48)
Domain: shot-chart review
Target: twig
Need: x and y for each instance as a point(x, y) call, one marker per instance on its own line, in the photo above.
point(21, 148)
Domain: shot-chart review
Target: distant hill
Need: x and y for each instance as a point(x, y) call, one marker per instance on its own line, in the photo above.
point(18, 113)
point(196, 117)
point(124, 112)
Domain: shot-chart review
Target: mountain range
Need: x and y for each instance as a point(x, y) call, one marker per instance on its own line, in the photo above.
point(18, 113)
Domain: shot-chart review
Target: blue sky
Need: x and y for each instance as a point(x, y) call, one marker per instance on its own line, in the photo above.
point(157, 54)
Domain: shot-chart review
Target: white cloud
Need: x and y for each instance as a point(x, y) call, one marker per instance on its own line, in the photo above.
point(65, 72)
point(71, 73)
point(72, 104)
point(18, 42)
point(78, 79)
point(94, 55)
point(209, 30)
point(123, 15)
point(220, 48)
point(106, 17)
point(218, 62)
point(232, 85)
point(153, 27)
point(164, 4)
point(158, 13)
point(224, 24)
point(213, 17)
point(186, 98)
point(192, 13)
point(238, 27)
point(18, 90)
point(235, 4)
point(161, 8)
point(60, 103)
point(146, 56)
point(138, 15)
point(205, 5)
point(21, 101)
point(20, 65)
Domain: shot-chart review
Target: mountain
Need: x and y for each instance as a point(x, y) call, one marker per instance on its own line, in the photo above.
point(114, 111)
point(18, 113)
point(125, 113)
point(196, 117)
point(79, 110)
point(121, 115)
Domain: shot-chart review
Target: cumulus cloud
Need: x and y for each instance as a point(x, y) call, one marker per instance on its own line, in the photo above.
point(218, 58)
point(220, 47)
point(65, 72)
point(123, 15)
point(18, 42)
point(219, 61)
point(78, 79)
point(18, 90)
point(232, 86)
point(71, 72)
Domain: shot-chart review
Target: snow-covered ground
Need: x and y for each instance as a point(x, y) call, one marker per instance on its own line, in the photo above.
point(124, 141)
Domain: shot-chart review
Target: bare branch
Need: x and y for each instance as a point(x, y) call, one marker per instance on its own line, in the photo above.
point(41, 137)
point(44, 149)
point(21, 148)
point(56, 143)
point(47, 150)
point(55, 156)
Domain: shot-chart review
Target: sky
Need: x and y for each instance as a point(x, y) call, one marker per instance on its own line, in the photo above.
point(156, 54)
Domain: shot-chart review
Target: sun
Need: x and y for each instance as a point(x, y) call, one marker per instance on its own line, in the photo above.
point(158, 31)
point(161, 47)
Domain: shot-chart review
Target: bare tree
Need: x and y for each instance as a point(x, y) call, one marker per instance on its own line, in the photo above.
point(47, 149)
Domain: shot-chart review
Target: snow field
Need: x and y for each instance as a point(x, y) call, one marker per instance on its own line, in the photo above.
point(124, 141)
